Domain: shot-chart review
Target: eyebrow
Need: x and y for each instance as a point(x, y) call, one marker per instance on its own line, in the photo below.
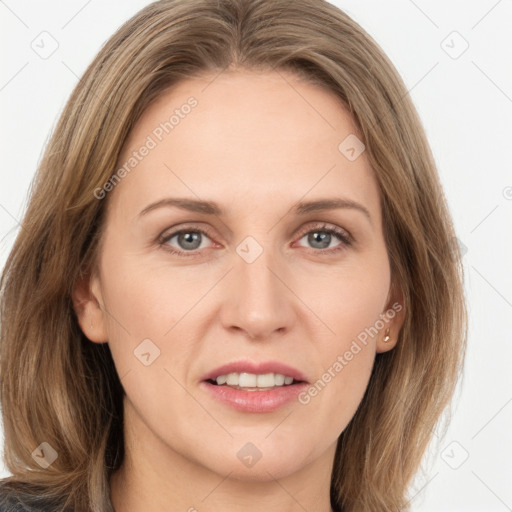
point(300, 208)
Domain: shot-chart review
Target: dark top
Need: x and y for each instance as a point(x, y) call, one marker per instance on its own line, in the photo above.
point(23, 502)
point(10, 504)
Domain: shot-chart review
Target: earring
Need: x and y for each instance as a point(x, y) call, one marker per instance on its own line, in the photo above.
point(386, 336)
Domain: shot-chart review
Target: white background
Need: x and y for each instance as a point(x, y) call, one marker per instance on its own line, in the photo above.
point(466, 107)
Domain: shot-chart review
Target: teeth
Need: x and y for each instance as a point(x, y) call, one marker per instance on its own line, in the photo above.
point(233, 379)
point(251, 380)
point(266, 380)
point(248, 380)
point(222, 379)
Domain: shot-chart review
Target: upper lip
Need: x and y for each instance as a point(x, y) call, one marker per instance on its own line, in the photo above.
point(256, 368)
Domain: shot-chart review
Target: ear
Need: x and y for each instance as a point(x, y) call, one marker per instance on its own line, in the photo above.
point(393, 317)
point(88, 306)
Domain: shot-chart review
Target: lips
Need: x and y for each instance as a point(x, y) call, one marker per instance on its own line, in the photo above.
point(254, 399)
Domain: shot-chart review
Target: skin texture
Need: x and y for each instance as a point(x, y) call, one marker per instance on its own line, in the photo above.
point(255, 143)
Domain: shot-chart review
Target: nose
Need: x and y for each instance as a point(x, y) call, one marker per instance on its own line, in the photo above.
point(258, 300)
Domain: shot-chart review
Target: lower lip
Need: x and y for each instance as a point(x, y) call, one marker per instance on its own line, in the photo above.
point(255, 401)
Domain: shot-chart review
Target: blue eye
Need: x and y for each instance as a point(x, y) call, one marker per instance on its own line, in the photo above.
point(187, 240)
point(322, 236)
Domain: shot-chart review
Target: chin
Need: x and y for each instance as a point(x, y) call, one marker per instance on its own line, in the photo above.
point(244, 461)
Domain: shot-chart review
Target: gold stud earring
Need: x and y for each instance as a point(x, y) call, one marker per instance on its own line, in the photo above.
point(386, 337)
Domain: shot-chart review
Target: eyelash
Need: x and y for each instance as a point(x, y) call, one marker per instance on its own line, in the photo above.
point(344, 237)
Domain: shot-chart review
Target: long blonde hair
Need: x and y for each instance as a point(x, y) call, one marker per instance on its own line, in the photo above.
point(59, 388)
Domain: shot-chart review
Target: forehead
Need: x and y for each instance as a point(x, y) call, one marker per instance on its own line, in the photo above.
point(246, 136)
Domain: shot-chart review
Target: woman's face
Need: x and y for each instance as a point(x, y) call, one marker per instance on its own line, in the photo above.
point(265, 277)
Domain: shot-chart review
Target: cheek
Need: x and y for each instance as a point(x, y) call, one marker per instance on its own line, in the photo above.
point(148, 309)
point(347, 298)
point(333, 398)
point(349, 305)
point(147, 299)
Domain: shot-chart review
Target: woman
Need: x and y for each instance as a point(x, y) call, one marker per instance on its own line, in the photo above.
point(235, 286)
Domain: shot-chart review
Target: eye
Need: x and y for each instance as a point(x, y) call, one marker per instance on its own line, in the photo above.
point(322, 237)
point(186, 240)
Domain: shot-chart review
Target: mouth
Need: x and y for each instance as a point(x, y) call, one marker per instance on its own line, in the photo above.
point(254, 387)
